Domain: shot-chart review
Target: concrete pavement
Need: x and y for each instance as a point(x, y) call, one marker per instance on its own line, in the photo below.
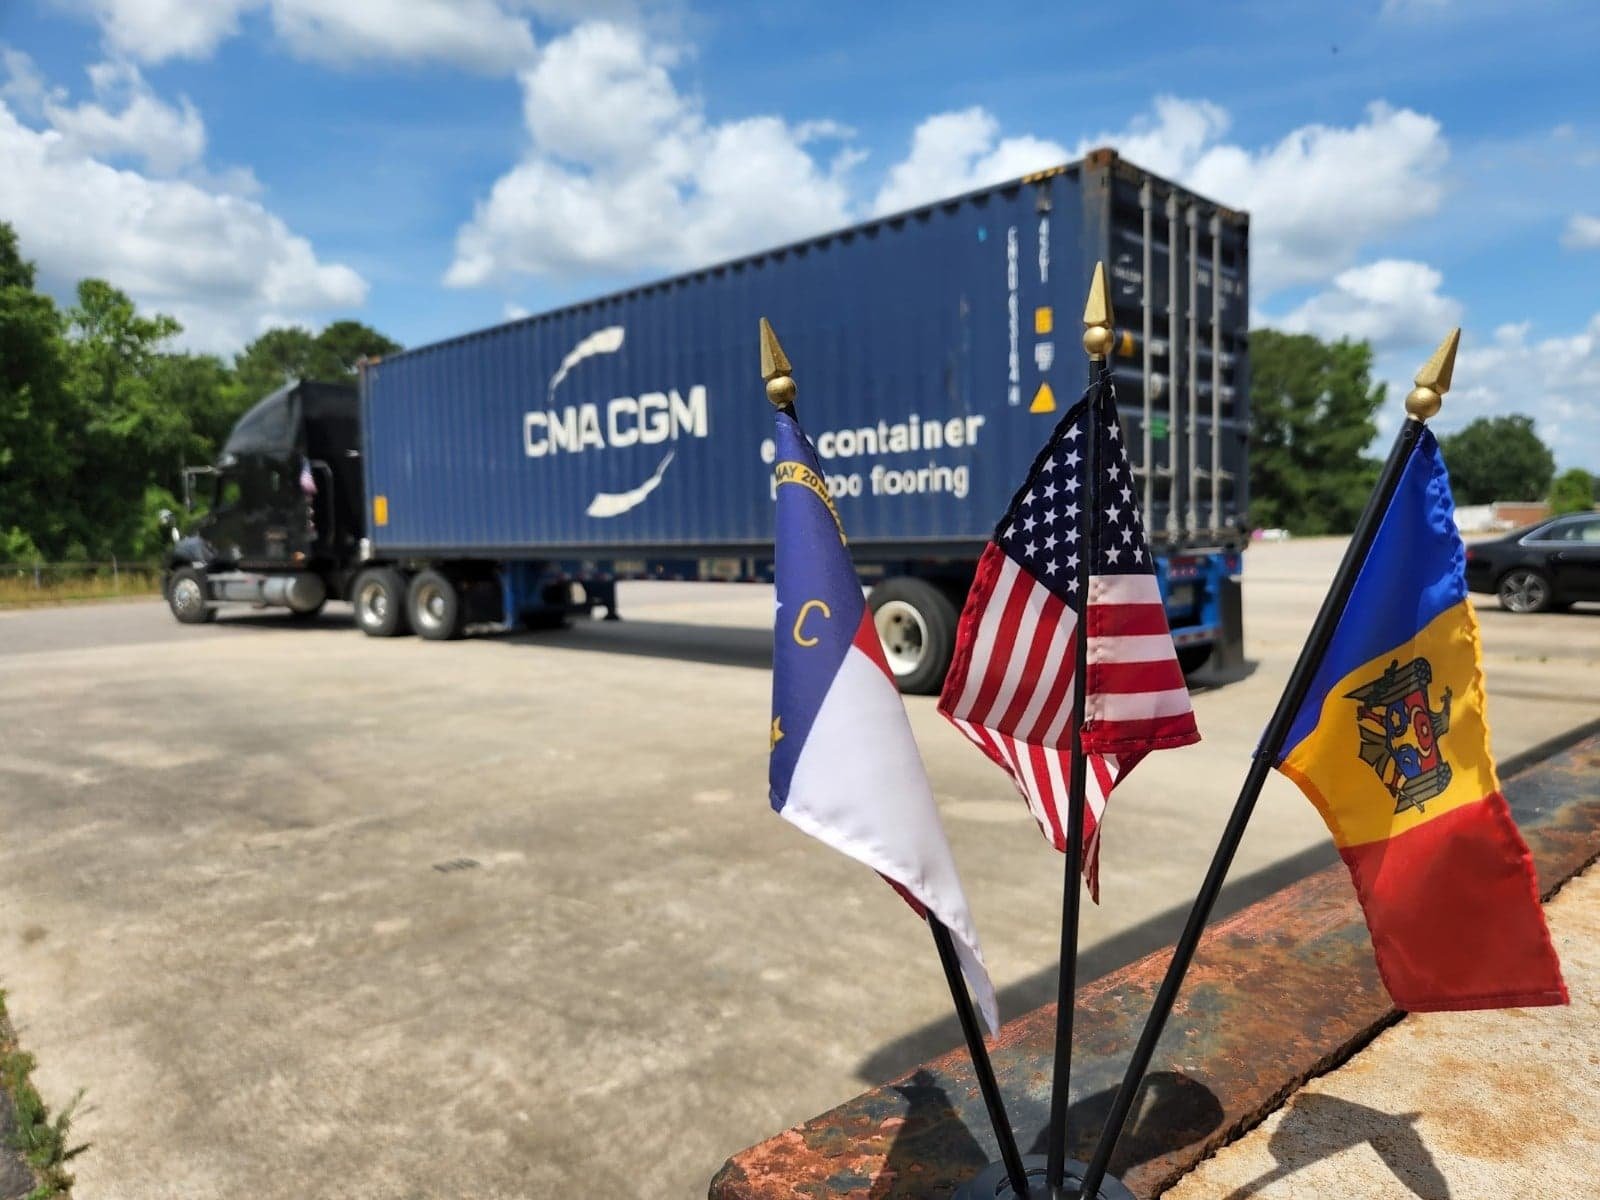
point(311, 914)
point(1446, 1106)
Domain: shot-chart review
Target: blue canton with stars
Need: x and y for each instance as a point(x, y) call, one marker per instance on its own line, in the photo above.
point(1041, 530)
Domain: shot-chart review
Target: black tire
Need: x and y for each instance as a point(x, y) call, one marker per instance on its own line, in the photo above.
point(379, 597)
point(186, 597)
point(917, 625)
point(1525, 590)
point(1192, 658)
point(433, 603)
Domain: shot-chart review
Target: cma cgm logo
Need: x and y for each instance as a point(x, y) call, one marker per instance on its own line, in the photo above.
point(648, 419)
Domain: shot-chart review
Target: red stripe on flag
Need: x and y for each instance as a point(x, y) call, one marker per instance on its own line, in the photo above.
point(1060, 694)
point(869, 643)
point(998, 660)
point(1454, 912)
point(1049, 615)
point(1157, 733)
point(1128, 677)
point(955, 680)
point(1127, 620)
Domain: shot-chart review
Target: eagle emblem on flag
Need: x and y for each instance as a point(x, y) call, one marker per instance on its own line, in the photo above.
point(1400, 733)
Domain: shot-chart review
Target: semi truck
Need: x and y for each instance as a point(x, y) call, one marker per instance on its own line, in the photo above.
point(515, 474)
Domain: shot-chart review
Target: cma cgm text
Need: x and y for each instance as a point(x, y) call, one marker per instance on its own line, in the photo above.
point(644, 420)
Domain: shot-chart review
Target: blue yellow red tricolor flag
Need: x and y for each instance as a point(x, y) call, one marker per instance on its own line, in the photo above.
point(1392, 746)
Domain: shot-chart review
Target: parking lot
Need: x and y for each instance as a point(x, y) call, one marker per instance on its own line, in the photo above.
point(307, 914)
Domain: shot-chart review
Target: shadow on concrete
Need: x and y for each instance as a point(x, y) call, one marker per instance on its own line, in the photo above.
point(281, 618)
point(1209, 677)
point(717, 645)
point(906, 1052)
point(1317, 1126)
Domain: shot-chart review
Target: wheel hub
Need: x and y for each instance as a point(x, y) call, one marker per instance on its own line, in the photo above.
point(904, 635)
point(186, 597)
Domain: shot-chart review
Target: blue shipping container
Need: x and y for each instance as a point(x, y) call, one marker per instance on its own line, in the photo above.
point(933, 350)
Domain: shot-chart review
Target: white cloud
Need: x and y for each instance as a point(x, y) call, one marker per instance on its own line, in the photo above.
point(1316, 197)
point(1172, 141)
point(956, 152)
point(1390, 303)
point(624, 172)
point(196, 247)
point(1555, 380)
point(156, 30)
point(1582, 233)
point(482, 35)
point(476, 34)
point(144, 128)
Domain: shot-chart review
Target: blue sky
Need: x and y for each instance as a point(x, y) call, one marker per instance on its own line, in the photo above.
point(431, 166)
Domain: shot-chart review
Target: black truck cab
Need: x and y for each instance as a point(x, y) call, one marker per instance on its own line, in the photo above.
point(285, 519)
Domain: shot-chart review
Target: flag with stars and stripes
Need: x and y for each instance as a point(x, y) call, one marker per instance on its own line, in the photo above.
point(1011, 684)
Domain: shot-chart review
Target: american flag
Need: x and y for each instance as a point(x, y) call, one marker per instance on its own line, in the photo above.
point(1010, 687)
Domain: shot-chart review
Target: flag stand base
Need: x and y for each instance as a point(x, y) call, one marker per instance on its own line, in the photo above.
point(992, 1184)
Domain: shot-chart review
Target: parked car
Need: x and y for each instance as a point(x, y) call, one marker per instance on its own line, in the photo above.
point(1542, 567)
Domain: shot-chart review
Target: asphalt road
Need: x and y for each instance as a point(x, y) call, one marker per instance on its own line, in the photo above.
point(308, 914)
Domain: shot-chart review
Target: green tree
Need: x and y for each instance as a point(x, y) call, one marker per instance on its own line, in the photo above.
point(132, 434)
point(282, 355)
point(1497, 458)
point(275, 358)
point(1572, 491)
point(99, 413)
point(345, 343)
point(37, 460)
point(1312, 404)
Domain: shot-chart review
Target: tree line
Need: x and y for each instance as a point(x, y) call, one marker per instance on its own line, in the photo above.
point(99, 414)
point(1313, 406)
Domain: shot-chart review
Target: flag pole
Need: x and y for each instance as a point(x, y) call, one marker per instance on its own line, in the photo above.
point(1097, 342)
point(778, 373)
point(1432, 382)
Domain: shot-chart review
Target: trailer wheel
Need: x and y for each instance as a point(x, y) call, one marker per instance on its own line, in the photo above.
point(434, 605)
point(916, 624)
point(186, 597)
point(379, 596)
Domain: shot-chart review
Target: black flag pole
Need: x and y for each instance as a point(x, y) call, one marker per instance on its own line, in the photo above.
point(779, 376)
point(1097, 341)
point(1016, 1173)
point(1423, 402)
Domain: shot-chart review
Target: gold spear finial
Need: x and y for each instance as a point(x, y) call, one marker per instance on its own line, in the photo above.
point(1433, 381)
point(775, 369)
point(1097, 336)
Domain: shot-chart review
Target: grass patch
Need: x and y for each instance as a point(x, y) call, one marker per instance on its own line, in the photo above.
point(19, 590)
point(42, 1140)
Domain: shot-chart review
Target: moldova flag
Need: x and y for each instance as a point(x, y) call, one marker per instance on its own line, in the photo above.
point(1392, 746)
point(844, 766)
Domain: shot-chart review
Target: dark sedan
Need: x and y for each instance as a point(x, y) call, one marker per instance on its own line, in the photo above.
point(1540, 568)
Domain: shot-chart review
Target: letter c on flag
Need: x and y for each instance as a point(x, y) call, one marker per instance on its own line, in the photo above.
point(799, 622)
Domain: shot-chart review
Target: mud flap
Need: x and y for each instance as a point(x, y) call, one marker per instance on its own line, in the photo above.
point(1227, 654)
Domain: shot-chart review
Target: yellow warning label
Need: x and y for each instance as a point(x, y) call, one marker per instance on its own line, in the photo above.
point(1044, 400)
point(1044, 319)
point(380, 510)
